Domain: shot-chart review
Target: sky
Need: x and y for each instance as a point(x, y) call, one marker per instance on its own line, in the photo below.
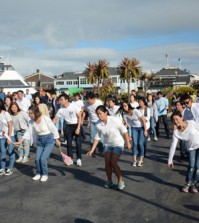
point(65, 35)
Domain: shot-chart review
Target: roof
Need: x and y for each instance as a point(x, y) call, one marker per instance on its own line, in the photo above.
point(35, 74)
point(76, 75)
point(167, 71)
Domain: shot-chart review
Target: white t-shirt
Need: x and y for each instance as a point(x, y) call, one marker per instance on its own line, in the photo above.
point(190, 135)
point(147, 117)
point(134, 119)
point(29, 97)
point(41, 128)
point(112, 132)
point(4, 119)
point(134, 104)
point(91, 108)
point(69, 113)
point(24, 104)
point(79, 104)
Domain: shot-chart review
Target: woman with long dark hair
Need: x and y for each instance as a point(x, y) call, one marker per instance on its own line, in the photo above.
point(20, 120)
point(187, 131)
point(6, 139)
point(43, 134)
point(113, 131)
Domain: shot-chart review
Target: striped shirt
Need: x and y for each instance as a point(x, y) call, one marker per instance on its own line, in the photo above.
point(20, 121)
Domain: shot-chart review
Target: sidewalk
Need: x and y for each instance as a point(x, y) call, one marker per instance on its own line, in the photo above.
point(76, 194)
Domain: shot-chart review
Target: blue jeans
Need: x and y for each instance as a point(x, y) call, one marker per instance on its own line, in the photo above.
point(193, 169)
point(4, 148)
point(24, 147)
point(93, 132)
point(152, 127)
point(45, 144)
point(138, 140)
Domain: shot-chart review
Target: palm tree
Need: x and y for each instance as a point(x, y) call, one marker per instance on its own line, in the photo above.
point(91, 73)
point(129, 69)
point(102, 72)
point(97, 72)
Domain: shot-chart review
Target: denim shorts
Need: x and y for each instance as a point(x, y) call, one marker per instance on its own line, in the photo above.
point(117, 150)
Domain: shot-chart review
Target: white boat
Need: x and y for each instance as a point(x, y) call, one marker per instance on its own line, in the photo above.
point(12, 81)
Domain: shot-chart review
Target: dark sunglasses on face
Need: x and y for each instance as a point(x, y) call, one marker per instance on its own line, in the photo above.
point(186, 102)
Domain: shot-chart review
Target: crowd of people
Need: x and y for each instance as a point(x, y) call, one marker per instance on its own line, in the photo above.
point(40, 121)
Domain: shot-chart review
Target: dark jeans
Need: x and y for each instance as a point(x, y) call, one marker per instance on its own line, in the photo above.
point(69, 133)
point(165, 122)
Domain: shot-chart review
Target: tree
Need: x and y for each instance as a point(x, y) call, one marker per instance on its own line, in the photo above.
point(97, 72)
point(106, 88)
point(129, 69)
point(147, 78)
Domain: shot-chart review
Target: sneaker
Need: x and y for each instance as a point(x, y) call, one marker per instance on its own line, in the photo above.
point(155, 139)
point(134, 163)
point(149, 139)
point(185, 189)
point(121, 185)
point(140, 163)
point(44, 178)
point(8, 172)
point(2, 171)
point(193, 189)
point(37, 177)
point(79, 162)
point(108, 184)
point(19, 160)
point(25, 160)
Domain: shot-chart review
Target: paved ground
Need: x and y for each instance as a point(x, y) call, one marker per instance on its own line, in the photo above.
point(76, 195)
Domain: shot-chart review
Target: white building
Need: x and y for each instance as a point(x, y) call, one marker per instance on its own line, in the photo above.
point(78, 80)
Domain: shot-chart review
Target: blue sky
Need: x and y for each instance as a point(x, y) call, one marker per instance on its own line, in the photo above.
point(60, 36)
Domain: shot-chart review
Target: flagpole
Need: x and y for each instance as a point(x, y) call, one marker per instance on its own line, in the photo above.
point(167, 60)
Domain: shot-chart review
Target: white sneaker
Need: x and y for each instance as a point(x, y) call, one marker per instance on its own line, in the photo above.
point(155, 139)
point(25, 160)
point(149, 139)
point(134, 163)
point(19, 160)
point(37, 177)
point(79, 162)
point(44, 178)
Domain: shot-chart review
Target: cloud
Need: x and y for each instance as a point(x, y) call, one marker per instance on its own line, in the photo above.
point(59, 36)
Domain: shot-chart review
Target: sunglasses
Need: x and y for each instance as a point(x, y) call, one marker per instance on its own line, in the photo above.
point(186, 102)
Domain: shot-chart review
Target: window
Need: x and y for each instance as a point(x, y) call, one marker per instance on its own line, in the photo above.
point(114, 79)
point(60, 83)
point(32, 84)
point(83, 81)
point(69, 82)
point(75, 82)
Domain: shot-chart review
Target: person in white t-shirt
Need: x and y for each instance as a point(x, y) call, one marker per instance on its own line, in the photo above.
point(90, 107)
point(80, 104)
point(6, 141)
point(137, 122)
point(28, 95)
point(23, 102)
point(113, 131)
point(43, 134)
point(72, 116)
point(189, 132)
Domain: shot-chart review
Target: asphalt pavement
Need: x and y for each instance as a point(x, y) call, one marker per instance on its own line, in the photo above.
point(76, 194)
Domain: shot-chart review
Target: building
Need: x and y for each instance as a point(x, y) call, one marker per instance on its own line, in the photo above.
point(12, 81)
point(170, 76)
point(39, 81)
point(78, 80)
